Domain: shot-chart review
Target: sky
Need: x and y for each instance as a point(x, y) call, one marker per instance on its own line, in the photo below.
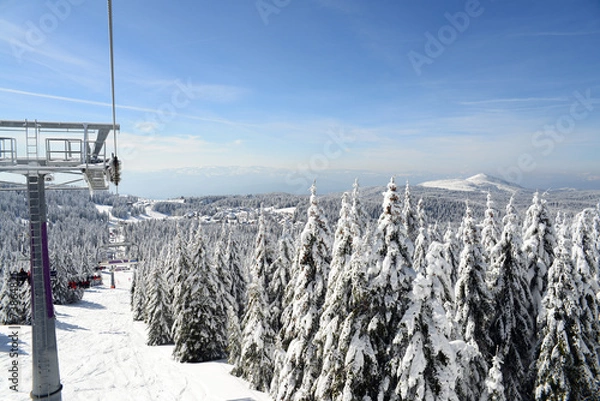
point(239, 96)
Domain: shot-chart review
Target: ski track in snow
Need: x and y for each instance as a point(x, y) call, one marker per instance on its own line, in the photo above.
point(103, 356)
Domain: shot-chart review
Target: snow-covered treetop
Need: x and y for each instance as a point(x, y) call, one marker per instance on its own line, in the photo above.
point(359, 217)
point(469, 228)
point(511, 219)
point(494, 382)
point(490, 231)
point(423, 223)
point(390, 199)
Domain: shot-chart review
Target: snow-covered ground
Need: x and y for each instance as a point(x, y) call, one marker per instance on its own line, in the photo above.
point(231, 214)
point(103, 356)
point(149, 214)
point(287, 210)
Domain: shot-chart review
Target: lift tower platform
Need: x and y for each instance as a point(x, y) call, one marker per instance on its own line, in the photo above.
point(44, 152)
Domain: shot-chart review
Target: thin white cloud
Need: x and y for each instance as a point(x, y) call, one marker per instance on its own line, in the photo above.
point(154, 153)
point(43, 53)
point(218, 93)
point(556, 33)
point(55, 97)
point(119, 106)
point(515, 100)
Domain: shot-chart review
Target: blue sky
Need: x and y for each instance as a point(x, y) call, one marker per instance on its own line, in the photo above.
point(414, 87)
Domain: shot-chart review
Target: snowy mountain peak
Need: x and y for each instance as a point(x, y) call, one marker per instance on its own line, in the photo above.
point(477, 183)
point(480, 177)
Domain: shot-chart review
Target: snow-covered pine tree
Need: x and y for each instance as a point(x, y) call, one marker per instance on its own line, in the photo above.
point(7, 315)
point(66, 273)
point(445, 290)
point(238, 274)
point(539, 241)
point(24, 307)
point(472, 296)
point(168, 261)
point(452, 251)
point(494, 383)
point(187, 333)
point(15, 299)
point(435, 233)
point(473, 309)
point(428, 370)
point(158, 308)
point(200, 321)
point(131, 293)
point(75, 273)
point(490, 229)
point(221, 267)
point(138, 301)
point(410, 218)
point(86, 264)
point(559, 221)
point(182, 266)
point(234, 338)
point(336, 306)
point(359, 216)
point(300, 368)
point(585, 263)
point(258, 338)
point(358, 378)
point(280, 277)
point(60, 281)
point(585, 251)
point(263, 254)
point(566, 367)
point(390, 276)
point(422, 241)
point(284, 274)
point(511, 328)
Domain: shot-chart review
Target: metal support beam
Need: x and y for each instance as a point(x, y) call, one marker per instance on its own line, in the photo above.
point(54, 125)
point(46, 375)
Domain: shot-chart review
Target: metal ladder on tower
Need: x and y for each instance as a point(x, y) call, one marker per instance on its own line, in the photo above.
point(46, 378)
point(31, 138)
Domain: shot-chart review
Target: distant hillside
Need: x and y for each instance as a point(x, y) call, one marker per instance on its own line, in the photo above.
point(476, 183)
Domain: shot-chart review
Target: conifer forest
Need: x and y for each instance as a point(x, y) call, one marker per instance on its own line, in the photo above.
point(388, 293)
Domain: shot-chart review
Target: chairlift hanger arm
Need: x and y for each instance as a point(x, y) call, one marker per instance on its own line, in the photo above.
point(100, 139)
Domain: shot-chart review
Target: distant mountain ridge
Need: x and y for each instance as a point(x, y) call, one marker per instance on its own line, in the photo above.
point(231, 180)
point(477, 183)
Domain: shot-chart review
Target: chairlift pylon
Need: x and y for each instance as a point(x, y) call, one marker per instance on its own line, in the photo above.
point(118, 253)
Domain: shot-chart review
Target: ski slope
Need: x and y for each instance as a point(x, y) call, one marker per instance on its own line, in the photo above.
point(103, 356)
